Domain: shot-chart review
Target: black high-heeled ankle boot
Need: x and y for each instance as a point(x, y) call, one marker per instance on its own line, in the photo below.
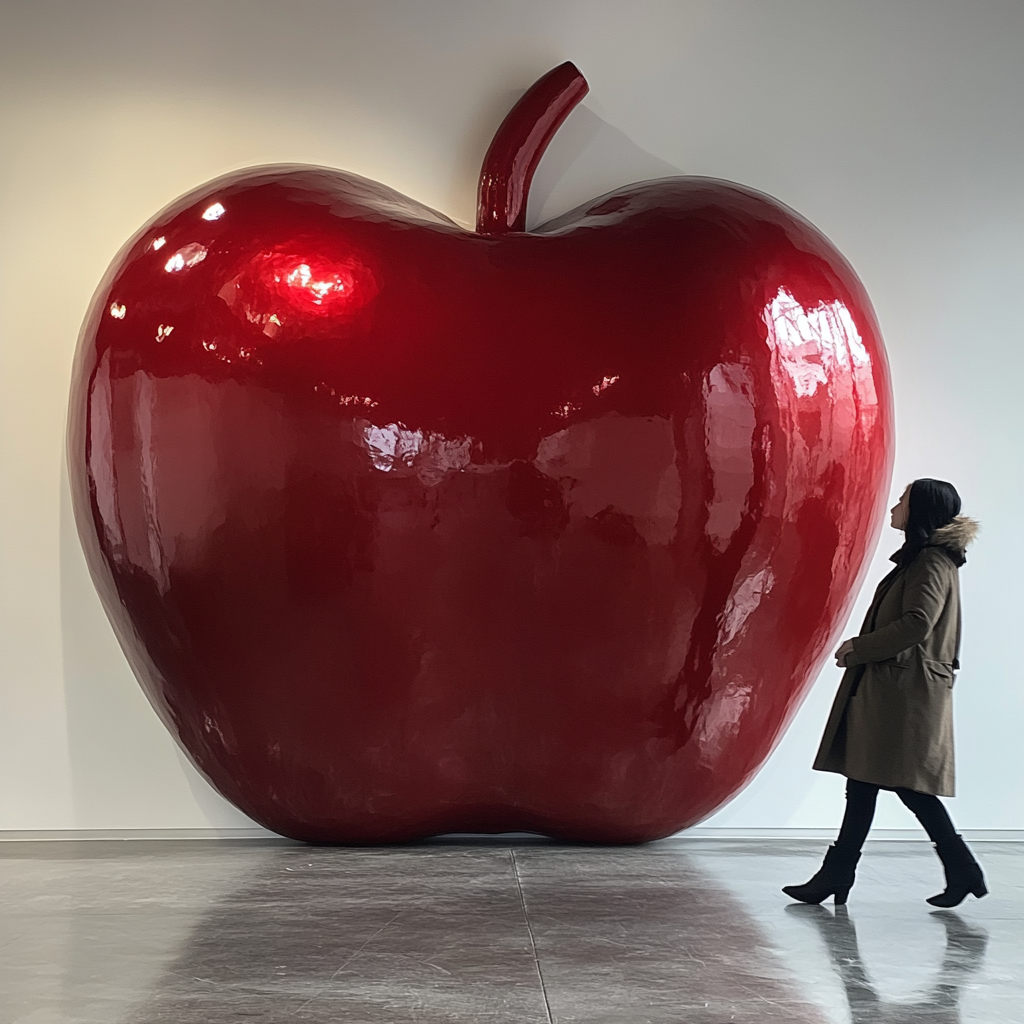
point(834, 878)
point(963, 873)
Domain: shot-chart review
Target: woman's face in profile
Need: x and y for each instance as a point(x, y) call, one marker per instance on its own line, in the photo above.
point(901, 510)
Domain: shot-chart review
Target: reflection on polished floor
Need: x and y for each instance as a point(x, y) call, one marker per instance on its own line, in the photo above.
point(682, 930)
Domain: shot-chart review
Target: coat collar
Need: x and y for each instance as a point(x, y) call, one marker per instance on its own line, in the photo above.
point(954, 538)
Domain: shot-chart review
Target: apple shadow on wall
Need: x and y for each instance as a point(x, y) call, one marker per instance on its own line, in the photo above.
point(586, 158)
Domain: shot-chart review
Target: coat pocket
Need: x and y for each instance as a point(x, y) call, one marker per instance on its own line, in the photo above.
point(939, 671)
point(889, 671)
point(907, 658)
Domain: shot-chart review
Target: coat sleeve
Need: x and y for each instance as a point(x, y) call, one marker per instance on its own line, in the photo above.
point(925, 593)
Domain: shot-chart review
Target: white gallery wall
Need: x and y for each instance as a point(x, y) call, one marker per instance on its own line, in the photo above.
point(896, 126)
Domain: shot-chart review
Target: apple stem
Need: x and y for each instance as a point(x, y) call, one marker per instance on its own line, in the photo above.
point(518, 145)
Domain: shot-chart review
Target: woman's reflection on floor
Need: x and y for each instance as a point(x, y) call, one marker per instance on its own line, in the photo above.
point(964, 955)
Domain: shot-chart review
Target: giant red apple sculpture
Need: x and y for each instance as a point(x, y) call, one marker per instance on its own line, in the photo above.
point(408, 529)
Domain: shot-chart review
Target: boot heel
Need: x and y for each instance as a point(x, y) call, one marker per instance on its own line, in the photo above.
point(963, 873)
point(841, 897)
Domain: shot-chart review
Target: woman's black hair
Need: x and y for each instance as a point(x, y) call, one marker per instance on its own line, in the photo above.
point(933, 504)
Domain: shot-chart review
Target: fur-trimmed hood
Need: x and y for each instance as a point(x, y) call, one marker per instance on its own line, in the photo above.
point(955, 537)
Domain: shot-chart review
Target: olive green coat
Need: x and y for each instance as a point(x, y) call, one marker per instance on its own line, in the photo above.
point(892, 719)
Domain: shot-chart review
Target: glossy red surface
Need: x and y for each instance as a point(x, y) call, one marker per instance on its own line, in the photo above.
point(407, 529)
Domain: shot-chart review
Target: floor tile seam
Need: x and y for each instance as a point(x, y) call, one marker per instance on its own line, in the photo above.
point(529, 929)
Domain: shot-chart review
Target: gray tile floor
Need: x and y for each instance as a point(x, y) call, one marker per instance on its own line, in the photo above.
point(677, 931)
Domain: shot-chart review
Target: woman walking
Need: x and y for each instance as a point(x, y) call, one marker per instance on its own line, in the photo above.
point(891, 725)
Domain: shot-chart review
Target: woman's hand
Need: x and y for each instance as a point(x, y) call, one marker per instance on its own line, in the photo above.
point(845, 648)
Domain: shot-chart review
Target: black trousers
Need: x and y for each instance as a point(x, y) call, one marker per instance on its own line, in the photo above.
point(860, 810)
